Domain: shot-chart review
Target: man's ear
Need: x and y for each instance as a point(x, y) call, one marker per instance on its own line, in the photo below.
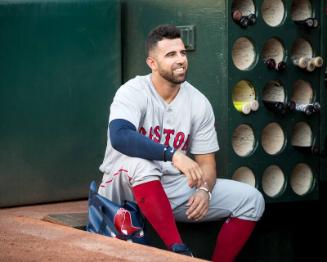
point(151, 63)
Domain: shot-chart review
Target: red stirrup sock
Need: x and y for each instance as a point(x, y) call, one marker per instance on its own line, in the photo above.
point(155, 206)
point(231, 239)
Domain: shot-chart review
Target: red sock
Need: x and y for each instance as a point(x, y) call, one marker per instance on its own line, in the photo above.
point(155, 206)
point(231, 239)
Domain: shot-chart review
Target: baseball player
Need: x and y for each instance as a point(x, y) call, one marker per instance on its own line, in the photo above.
point(161, 154)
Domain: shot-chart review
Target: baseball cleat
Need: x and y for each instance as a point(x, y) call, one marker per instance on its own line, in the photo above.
point(182, 249)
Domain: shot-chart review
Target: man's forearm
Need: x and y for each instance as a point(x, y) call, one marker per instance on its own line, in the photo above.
point(209, 175)
point(207, 163)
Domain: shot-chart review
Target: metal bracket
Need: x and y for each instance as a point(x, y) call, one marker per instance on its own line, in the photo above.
point(188, 36)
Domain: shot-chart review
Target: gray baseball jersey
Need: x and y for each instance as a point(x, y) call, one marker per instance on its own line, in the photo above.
point(187, 123)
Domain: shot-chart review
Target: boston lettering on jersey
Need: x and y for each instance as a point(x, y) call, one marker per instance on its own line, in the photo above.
point(179, 139)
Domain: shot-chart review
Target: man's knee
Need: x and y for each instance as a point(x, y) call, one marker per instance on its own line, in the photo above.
point(253, 205)
point(259, 203)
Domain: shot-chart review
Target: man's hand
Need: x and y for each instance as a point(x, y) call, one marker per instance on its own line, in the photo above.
point(198, 205)
point(189, 168)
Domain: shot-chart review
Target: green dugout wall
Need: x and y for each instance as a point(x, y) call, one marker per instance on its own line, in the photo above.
point(228, 64)
point(59, 63)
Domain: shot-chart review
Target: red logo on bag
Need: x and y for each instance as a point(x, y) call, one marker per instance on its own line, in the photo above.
point(123, 222)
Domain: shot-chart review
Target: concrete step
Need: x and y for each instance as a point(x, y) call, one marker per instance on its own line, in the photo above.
point(25, 236)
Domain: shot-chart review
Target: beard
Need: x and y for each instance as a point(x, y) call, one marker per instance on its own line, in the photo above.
point(172, 77)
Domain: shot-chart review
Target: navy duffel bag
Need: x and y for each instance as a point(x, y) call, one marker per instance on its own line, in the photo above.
point(107, 218)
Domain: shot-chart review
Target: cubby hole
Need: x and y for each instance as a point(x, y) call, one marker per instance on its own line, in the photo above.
point(301, 48)
point(303, 56)
point(246, 7)
point(272, 138)
point(243, 140)
point(243, 53)
point(245, 175)
point(301, 10)
point(273, 12)
point(301, 135)
point(243, 13)
point(273, 49)
point(244, 97)
point(273, 181)
point(274, 91)
point(302, 179)
point(302, 92)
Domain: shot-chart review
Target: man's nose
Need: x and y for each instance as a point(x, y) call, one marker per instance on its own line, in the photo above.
point(181, 59)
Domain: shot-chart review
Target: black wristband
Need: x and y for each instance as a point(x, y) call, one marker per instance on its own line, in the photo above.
point(168, 153)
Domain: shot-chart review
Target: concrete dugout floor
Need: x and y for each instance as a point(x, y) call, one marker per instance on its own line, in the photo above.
point(24, 236)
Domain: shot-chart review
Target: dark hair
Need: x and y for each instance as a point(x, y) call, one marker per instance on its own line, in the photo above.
point(161, 32)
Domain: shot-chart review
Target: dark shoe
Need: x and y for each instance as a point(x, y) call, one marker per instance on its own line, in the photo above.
point(181, 249)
